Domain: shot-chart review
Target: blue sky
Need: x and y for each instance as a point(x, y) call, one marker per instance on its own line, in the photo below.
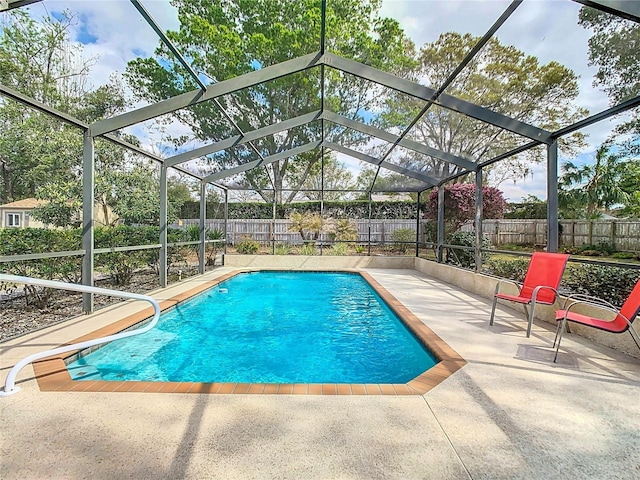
point(114, 31)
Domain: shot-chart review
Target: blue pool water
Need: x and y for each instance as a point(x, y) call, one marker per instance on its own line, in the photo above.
point(269, 327)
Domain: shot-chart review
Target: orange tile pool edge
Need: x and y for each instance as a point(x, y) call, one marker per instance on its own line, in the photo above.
point(52, 374)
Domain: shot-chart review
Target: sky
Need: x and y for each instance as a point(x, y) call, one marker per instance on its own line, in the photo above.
point(114, 32)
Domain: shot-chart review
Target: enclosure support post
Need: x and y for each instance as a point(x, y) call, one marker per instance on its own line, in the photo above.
point(88, 185)
point(162, 261)
point(478, 220)
point(552, 197)
point(440, 239)
point(273, 228)
point(418, 225)
point(369, 238)
point(203, 215)
point(226, 218)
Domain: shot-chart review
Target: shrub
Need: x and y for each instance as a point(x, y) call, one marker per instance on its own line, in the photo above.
point(339, 249)
point(512, 269)
point(466, 258)
point(401, 239)
point(308, 249)
point(122, 265)
point(613, 284)
point(603, 248)
point(624, 255)
point(16, 241)
point(247, 246)
point(282, 249)
point(344, 230)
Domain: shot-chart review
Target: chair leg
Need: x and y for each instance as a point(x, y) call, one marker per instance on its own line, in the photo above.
point(533, 308)
point(557, 331)
point(493, 310)
point(563, 325)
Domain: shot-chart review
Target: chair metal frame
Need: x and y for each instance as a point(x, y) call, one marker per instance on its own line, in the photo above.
point(582, 299)
point(533, 300)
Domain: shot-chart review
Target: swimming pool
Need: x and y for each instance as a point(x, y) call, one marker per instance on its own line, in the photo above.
point(269, 327)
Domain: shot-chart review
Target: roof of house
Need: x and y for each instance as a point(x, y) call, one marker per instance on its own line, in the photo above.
point(24, 203)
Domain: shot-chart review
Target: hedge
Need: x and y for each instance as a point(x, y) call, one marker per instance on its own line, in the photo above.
point(346, 209)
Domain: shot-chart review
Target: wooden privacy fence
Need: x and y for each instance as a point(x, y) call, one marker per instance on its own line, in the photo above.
point(622, 235)
point(279, 230)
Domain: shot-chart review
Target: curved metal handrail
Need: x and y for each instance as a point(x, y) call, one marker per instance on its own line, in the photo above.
point(9, 386)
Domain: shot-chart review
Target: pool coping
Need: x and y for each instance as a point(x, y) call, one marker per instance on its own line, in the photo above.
point(52, 374)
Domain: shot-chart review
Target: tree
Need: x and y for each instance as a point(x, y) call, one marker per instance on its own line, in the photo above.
point(630, 184)
point(333, 175)
point(586, 190)
point(460, 205)
point(615, 49)
point(41, 156)
point(225, 39)
point(37, 60)
point(500, 78)
point(530, 207)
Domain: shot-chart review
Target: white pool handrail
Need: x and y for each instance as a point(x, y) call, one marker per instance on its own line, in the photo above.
point(10, 387)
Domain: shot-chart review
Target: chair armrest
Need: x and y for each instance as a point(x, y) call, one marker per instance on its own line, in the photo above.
point(534, 294)
point(588, 299)
point(604, 306)
point(507, 280)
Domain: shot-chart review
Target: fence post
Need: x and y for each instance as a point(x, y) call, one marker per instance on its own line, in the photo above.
point(613, 234)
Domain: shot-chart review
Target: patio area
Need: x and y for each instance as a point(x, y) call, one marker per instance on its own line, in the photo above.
point(508, 413)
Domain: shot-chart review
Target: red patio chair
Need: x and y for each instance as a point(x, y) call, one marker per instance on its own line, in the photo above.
point(540, 284)
point(620, 324)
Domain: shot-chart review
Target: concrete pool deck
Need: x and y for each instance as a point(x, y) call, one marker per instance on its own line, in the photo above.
point(508, 413)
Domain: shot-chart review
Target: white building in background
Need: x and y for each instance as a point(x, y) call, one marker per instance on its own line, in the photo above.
point(18, 215)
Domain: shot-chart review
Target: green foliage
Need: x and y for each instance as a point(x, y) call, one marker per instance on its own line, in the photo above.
point(612, 284)
point(342, 209)
point(613, 48)
point(247, 246)
point(282, 249)
point(122, 265)
point(531, 207)
point(344, 230)
point(401, 238)
point(625, 256)
point(601, 249)
point(307, 224)
point(308, 249)
point(587, 189)
point(339, 249)
point(466, 258)
point(58, 210)
point(15, 241)
point(512, 269)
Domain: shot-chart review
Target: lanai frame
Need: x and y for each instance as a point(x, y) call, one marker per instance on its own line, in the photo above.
point(321, 60)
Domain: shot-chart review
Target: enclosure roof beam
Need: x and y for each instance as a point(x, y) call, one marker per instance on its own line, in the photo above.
point(197, 96)
point(391, 138)
point(242, 139)
point(256, 163)
point(375, 161)
point(164, 39)
point(425, 93)
point(585, 122)
point(64, 117)
point(622, 8)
